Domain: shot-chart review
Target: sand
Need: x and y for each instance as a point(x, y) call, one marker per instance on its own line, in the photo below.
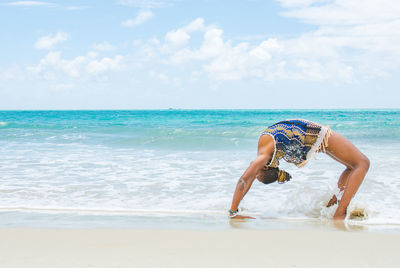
point(186, 248)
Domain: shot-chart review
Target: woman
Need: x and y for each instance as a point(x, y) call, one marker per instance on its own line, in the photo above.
point(296, 141)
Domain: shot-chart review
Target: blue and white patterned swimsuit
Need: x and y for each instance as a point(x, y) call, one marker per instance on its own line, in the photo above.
point(297, 140)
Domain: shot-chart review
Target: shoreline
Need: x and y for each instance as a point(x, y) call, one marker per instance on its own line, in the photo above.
point(26, 247)
point(198, 222)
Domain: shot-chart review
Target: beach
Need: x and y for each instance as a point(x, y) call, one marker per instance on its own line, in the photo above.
point(24, 247)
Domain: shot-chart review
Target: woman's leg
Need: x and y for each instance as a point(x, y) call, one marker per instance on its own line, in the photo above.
point(341, 184)
point(357, 165)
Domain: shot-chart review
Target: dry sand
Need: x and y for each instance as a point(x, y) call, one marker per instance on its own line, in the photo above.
point(182, 248)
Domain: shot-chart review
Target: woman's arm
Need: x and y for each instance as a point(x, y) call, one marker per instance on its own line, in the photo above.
point(246, 180)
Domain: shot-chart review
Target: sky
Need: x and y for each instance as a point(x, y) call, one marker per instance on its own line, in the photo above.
point(199, 54)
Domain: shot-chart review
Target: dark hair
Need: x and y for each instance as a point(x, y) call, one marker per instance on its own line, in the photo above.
point(272, 174)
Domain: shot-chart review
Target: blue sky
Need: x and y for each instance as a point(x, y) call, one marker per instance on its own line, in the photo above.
point(159, 54)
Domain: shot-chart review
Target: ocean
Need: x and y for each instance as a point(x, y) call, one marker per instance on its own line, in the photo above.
point(168, 168)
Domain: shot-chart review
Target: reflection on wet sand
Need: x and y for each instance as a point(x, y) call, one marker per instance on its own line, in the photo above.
point(295, 224)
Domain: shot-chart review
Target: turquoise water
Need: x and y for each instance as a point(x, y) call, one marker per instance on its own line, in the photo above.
point(128, 166)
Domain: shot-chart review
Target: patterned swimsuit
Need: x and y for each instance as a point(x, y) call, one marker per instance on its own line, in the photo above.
point(297, 140)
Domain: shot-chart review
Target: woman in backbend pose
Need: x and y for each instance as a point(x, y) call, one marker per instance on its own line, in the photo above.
point(296, 141)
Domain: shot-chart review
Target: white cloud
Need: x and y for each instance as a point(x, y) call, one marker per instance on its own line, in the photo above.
point(146, 4)
point(105, 46)
point(142, 17)
point(219, 58)
point(47, 42)
point(211, 46)
point(213, 43)
point(43, 4)
point(243, 61)
point(53, 62)
point(300, 3)
point(307, 57)
point(177, 38)
point(350, 12)
point(335, 50)
point(196, 25)
point(92, 54)
point(29, 3)
point(353, 39)
point(103, 65)
point(263, 51)
point(363, 35)
point(180, 37)
point(53, 65)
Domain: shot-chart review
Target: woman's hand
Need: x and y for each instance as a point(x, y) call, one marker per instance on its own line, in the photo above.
point(235, 215)
point(332, 202)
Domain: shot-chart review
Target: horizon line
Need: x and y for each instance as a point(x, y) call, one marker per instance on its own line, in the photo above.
point(202, 109)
